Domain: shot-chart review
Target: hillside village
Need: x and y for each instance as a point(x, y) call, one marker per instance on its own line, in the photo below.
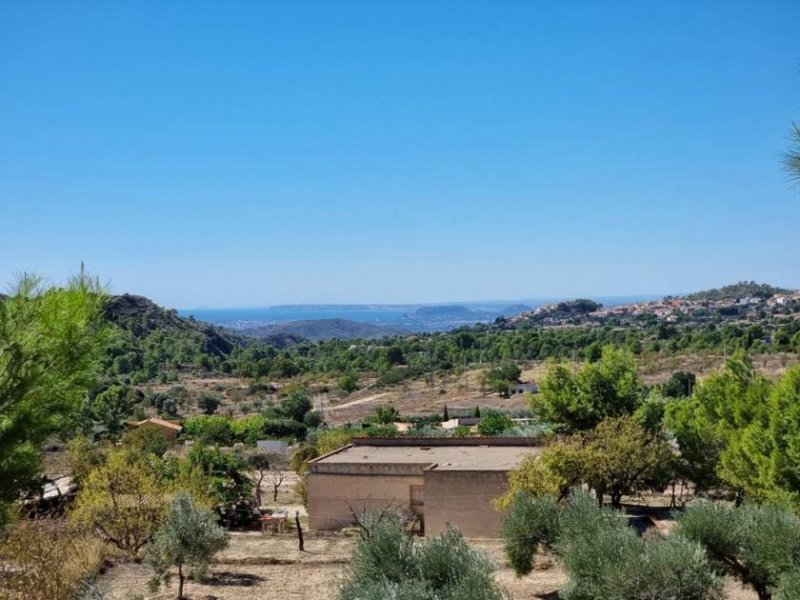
point(751, 308)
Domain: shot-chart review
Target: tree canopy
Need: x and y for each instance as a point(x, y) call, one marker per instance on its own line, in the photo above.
point(619, 457)
point(50, 341)
point(189, 538)
point(580, 400)
point(739, 429)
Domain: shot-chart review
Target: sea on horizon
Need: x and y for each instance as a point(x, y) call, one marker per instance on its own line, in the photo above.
point(379, 314)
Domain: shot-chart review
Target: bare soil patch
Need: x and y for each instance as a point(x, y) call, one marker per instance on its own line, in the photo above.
point(269, 567)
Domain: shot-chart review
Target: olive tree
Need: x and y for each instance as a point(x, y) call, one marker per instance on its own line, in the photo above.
point(258, 461)
point(758, 545)
point(602, 555)
point(188, 540)
point(279, 468)
point(390, 564)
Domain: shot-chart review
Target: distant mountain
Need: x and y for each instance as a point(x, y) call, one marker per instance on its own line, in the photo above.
point(454, 312)
point(323, 329)
point(743, 289)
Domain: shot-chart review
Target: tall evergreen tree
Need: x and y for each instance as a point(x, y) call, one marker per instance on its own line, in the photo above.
point(50, 338)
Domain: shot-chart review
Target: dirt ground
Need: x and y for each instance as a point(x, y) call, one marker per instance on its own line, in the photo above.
point(462, 392)
point(244, 572)
point(269, 567)
point(458, 391)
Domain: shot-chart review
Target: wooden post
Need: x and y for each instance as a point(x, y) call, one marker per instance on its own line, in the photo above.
point(299, 530)
point(180, 581)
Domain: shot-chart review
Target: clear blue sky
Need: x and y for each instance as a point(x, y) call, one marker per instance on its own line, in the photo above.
point(248, 153)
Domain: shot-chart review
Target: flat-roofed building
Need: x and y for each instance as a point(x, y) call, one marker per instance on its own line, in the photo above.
point(441, 481)
point(460, 422)
point(168, 429)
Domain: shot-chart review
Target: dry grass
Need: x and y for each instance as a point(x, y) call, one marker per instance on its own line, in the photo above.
point(48, 560)
point(458, 391)
point(262, 567)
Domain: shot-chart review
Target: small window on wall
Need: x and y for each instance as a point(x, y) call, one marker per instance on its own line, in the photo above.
point(417, 495)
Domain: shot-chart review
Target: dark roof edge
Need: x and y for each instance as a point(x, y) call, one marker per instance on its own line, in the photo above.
point(331, 453)
point(434, 441)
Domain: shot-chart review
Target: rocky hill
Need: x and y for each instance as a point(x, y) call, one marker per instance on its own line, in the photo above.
point(150, 341)
point(141, 316)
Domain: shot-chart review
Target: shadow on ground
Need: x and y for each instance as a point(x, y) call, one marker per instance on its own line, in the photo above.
point(226, 578)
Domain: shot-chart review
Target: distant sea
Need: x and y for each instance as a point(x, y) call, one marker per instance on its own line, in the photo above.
point(279, 314)
point(401, 315)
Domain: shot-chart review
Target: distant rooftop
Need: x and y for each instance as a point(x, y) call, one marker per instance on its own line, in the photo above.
point(160, 423)
point(468, 457)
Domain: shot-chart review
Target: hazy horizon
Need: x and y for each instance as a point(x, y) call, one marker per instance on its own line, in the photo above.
point(224, 154)
point(487, 302)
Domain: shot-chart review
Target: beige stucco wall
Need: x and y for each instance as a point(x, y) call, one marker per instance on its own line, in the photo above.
point(463, 499)
point(331, 495)
point(460, 498)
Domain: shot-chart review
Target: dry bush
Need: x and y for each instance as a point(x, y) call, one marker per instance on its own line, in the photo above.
point(123, 501)
point(48, 560)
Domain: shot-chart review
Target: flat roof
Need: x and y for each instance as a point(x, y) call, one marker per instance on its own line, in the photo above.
point(454, 458)
point(160, 423)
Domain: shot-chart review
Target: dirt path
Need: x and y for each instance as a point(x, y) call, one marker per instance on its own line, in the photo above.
point(355, 402)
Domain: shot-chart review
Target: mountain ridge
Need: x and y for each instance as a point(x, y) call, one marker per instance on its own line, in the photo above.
point(323, 329)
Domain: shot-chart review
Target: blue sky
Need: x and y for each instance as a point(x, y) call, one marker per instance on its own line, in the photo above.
point(250, 153)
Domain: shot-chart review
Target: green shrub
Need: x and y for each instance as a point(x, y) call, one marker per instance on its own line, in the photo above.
point(671, 568)
point(209, 429)
point(494, 423)
point(397, 375)
point(461, 431)
point(789, 586)
point(348, 383)
point(603, 557)
point(388, 563)
point(208, 403)
point(595, 546)
point(758, 545)
point(532, 523)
